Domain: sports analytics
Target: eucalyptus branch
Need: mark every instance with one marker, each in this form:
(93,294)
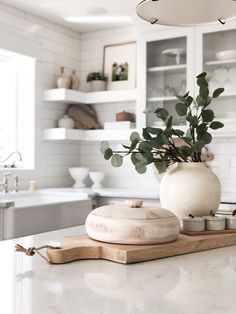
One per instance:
(158,145)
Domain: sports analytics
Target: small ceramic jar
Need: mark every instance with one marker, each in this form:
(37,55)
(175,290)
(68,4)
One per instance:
(230,222)
(194,223)
(215,223)
(66,122)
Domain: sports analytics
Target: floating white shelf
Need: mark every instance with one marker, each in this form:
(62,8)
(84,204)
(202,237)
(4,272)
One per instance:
(219,62)
(159,99)
(61,134)
(69,96)
(167,68)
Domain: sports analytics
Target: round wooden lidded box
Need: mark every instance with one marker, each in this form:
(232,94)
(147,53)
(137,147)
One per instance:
(129,225)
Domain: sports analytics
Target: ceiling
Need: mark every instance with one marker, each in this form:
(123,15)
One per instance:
(118,12)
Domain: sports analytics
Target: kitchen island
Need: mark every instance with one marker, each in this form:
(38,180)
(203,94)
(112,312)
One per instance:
(199,283)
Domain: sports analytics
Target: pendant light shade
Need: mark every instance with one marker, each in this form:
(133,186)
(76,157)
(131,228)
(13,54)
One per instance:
(186,12)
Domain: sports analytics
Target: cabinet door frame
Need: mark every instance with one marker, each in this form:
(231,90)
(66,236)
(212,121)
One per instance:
(144,38)
(200,31)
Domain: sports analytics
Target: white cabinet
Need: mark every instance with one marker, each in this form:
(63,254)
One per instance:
(167,69)
(216,55)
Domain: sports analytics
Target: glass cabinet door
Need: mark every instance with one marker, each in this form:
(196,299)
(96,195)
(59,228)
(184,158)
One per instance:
(166,72)
(219,61)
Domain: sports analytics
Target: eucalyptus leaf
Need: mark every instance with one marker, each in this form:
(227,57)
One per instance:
(104,146)
(140,167)
(207,115)
(216,125)
(146,135)
(169,122)
(116,160)
(200,101)
(205,137)
(181,109)
(145,146)
(218,92)
(134,158)
(162,113)
(198,146)
(202,75)
(134,136)
(108,153)
(204,91)
(161,166)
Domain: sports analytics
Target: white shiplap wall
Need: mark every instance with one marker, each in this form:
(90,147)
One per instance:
(57,46)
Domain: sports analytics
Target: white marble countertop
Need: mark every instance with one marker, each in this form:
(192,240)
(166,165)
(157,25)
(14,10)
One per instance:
(199,283)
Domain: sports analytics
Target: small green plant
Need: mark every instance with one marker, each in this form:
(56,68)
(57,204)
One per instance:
(96,76)
(158,145)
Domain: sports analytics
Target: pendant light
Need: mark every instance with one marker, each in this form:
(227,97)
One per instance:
(186,12)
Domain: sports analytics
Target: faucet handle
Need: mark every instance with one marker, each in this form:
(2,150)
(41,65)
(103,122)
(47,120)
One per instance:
(6,174)
(16,182)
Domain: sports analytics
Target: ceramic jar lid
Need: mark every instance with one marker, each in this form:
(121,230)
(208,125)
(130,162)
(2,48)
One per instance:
(125,212)
(230,217)
(214,218)
(197,219)
(129,225)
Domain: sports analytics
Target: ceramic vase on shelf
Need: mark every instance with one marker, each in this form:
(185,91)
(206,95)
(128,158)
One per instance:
(66,122)
(74,81)
(190,188)
(63,81)
(97,86)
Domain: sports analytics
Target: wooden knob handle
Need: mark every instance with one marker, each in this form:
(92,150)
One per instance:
(134,203)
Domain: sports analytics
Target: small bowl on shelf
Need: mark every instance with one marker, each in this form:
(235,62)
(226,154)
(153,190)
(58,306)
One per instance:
(97,177)
(226,55)
(79,174)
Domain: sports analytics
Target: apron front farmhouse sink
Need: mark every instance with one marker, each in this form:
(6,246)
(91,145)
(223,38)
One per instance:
(27,213)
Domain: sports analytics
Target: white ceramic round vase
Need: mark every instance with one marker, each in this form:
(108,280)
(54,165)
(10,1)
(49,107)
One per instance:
(66,122)
(190,188)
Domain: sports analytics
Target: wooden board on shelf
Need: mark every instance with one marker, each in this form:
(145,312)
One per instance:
(82,247)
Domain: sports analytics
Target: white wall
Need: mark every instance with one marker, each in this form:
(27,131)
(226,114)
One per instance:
(57,46)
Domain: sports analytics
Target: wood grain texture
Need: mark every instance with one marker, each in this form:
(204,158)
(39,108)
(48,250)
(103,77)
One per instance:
(82,247)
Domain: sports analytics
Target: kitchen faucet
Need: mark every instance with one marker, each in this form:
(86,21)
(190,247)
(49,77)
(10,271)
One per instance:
(5,183)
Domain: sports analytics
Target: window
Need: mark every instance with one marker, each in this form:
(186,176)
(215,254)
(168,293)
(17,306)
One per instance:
(17,107)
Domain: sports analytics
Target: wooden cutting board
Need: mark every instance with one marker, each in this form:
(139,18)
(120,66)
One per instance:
(82,247)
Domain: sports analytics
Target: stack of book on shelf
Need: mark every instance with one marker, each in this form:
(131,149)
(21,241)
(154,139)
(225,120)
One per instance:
(119,125)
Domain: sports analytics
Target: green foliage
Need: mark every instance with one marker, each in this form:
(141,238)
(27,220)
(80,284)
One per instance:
(96,76)
(158,145)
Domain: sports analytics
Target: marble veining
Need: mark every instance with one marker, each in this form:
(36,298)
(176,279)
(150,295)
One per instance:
(199,283)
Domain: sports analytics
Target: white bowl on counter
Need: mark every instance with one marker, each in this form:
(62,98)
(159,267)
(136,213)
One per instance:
(226,54)
(97,177)
(79,174)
